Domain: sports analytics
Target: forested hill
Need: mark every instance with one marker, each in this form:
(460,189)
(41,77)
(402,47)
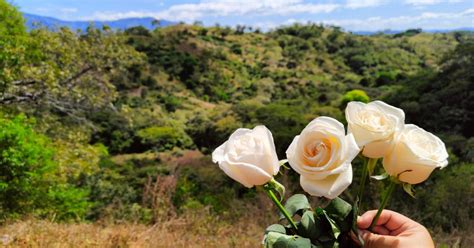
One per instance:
(105,112)
(286,77)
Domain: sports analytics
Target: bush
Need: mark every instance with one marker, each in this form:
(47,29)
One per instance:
(25,162)
(29,180)
(236,48)
(67,203)
(355,95)
(386,77)
(164,138)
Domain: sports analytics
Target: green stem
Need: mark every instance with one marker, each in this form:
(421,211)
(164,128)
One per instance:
(279,206)
(367,170)
(363,179)
(371,165)
(385,198)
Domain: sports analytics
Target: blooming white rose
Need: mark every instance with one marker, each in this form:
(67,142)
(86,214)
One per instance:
(322,155)
(374,126)
(249,156)
(415,155)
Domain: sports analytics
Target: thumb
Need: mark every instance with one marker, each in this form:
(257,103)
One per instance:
(379,241)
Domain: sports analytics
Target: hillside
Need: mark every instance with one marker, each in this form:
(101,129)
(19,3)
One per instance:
(116,127)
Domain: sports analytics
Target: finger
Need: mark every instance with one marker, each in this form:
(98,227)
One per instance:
(381,230)
(391,220)
(354,238)
(379,241)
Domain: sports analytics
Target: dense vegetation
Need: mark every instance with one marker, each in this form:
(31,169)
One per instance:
(118,126)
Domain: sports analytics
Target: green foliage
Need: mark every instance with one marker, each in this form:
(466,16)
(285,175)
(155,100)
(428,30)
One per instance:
(297,203)
(116,190)
(11,20)
(15,46)
(447,92)
(355,95)
(70,74)
(164,138)
(25,163)
(409,32)
(328,227)
(66,202)
(29,182)
(200,185)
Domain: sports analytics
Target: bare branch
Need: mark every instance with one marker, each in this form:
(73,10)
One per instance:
(24,82)
(68,82)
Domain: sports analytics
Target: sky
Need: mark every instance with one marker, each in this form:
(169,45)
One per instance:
(353,15)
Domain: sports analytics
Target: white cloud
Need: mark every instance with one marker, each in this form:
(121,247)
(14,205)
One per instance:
(68,10)
(468,12)
(42,10)
(263,12)
(218,8)
(422,2)
(426,20)
(429,2)
(355,4)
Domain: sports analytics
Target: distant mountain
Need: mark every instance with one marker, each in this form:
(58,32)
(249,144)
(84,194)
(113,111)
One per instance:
(433,31)
(33,21)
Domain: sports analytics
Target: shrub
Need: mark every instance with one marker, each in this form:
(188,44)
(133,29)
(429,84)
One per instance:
(236,48)
(386,77)
(25,161)
(29,180)
(164,138)
(355,95)
(67,202)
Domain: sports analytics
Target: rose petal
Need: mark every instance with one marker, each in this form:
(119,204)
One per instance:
(272,165)
(352,109)
(218,153)
(247,174)
(291,155)
(328,124)
(377,149)
(391,110)
(352,149)
(330,187)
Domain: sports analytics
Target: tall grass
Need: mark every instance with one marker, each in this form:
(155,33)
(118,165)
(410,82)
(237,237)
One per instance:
(193,230)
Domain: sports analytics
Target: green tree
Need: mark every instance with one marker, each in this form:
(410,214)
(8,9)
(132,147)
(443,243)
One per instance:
(26,160)
(30,179)
(14,43)
(73,76)
(11,20)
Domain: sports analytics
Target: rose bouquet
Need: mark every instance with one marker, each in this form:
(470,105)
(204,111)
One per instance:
(322,156)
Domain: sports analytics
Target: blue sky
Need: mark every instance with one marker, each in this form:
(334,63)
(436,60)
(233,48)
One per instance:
(353,15)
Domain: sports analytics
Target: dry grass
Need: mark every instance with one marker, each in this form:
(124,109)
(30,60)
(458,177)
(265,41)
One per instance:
(190,231)
(193,230)
(456,239)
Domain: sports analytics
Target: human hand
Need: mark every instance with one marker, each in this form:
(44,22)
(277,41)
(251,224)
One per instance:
(393,230)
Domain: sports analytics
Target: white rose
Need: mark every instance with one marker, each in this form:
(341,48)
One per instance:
(249,156)
(374,126)
(322,155)
(415,155)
